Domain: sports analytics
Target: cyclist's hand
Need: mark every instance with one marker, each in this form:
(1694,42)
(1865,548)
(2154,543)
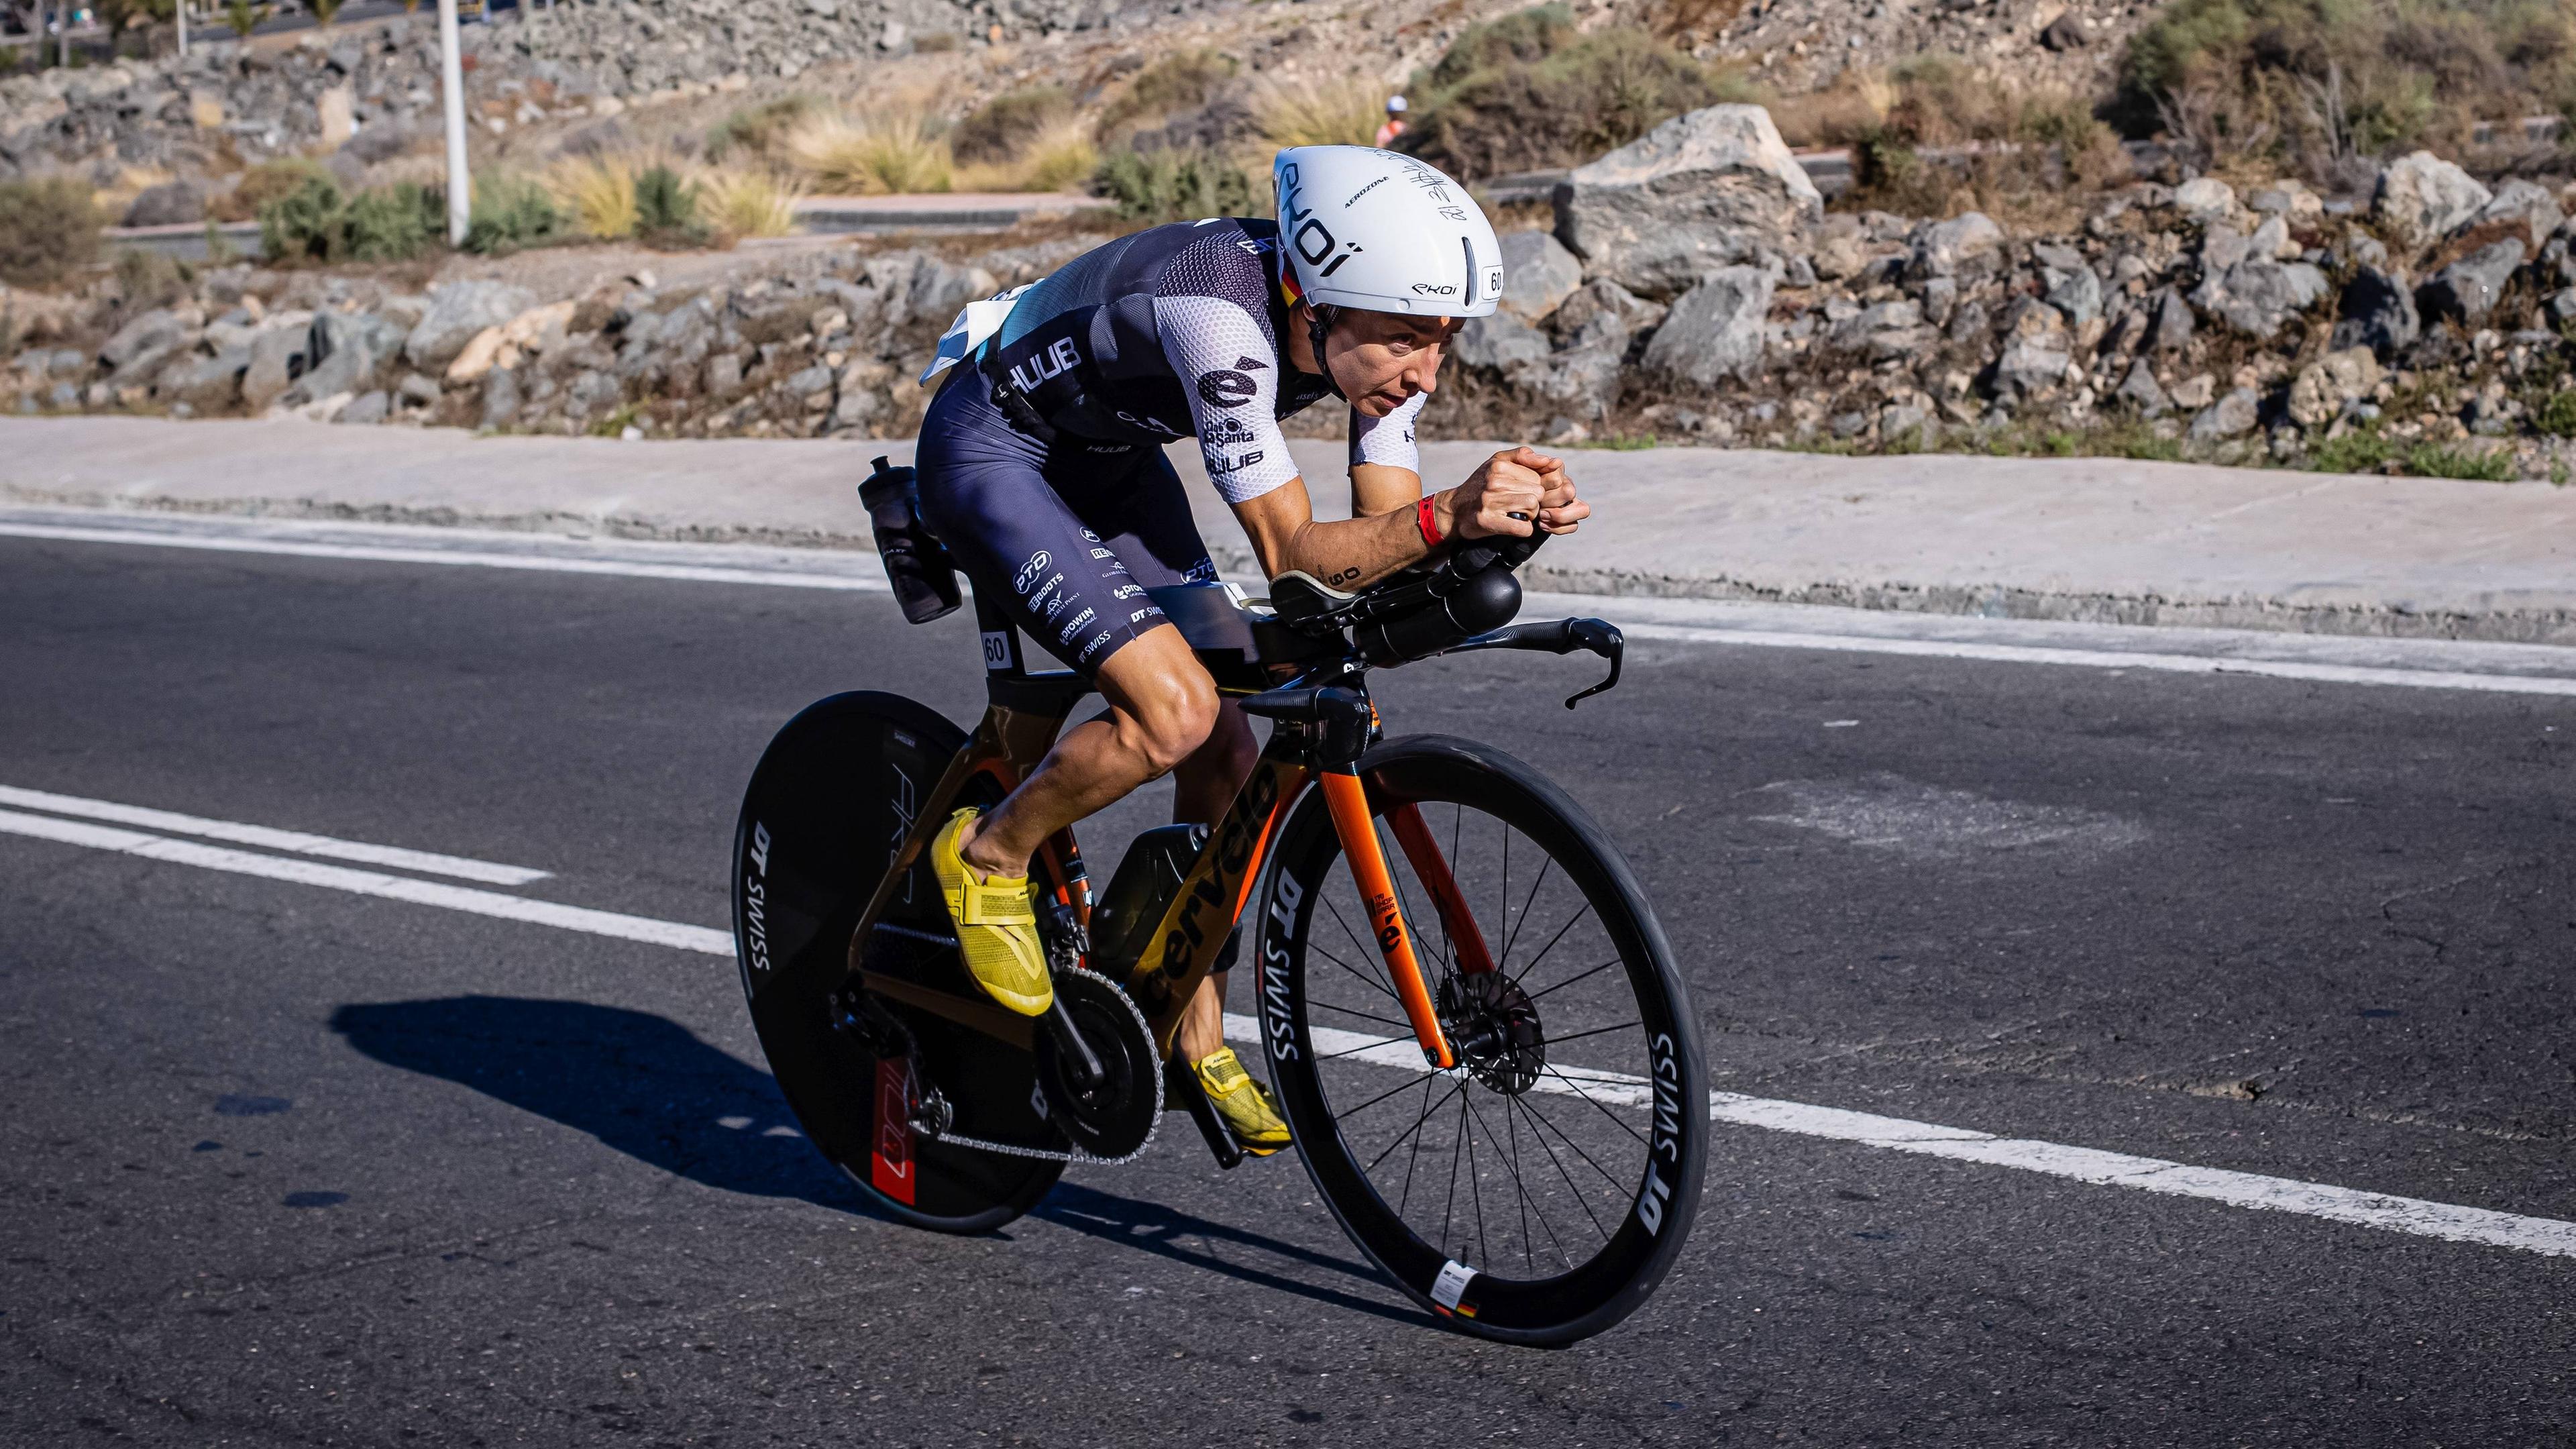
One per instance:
(1559,510)
(1511,481)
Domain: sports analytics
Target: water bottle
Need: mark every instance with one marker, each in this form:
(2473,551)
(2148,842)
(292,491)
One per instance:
(916,563)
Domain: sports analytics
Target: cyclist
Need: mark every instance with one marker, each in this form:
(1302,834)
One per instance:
(1394,125)
(1040,467)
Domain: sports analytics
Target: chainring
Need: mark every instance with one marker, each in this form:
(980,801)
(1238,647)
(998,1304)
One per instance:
(1116,1119)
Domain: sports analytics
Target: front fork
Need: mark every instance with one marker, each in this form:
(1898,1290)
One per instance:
(1347,800)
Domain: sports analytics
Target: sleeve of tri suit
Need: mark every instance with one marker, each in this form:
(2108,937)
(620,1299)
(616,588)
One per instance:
(1388,441)
(1228,363)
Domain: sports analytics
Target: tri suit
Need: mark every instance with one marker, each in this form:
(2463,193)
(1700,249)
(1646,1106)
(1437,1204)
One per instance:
(1041,464)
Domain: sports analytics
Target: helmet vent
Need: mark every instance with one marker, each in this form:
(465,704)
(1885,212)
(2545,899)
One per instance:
(1468,249)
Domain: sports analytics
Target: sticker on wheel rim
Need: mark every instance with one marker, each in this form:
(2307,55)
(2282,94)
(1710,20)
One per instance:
(1451,1286)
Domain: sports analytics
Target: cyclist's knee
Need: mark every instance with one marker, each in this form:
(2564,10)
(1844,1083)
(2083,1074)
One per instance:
(1176,721)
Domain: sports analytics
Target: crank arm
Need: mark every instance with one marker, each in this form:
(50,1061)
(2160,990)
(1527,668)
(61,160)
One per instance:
(1179,1082)
(1559,636)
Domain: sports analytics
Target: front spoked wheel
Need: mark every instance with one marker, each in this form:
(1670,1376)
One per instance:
(1539,1191)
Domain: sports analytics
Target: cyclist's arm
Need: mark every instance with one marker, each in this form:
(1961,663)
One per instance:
(1351,553)
(1386,468)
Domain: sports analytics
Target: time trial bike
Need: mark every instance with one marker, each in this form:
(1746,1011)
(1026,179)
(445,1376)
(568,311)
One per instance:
(1471,1018)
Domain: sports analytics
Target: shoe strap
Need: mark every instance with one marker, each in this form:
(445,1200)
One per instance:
(1222,1072)
(989,904)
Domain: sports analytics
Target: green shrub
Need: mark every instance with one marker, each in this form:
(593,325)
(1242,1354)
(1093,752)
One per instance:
(666,208)
(304,225)
(512,212)
(241,17)
(394,223)
(1591,94)
(264,183)
(1175,83)
(759,129)
(1174,185)
(999,128)
(146,278)
(1523,37)
(2557,416)
(2324,78)
(48,229)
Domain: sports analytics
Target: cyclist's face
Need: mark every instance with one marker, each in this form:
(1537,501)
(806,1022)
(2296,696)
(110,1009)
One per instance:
(1381,359)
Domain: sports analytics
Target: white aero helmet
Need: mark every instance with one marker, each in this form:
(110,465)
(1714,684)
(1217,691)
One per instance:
(1395,105)
(1383,232)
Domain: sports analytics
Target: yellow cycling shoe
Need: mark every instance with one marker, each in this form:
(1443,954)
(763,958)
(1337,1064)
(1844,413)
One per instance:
(1245,1104)
(997,925)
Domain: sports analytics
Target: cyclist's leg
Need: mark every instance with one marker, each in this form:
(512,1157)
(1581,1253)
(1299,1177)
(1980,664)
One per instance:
(1033,526)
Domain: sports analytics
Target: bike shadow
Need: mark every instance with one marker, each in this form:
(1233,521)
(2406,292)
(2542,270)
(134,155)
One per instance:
(647,1086)
(1151,1227)
(639,1083)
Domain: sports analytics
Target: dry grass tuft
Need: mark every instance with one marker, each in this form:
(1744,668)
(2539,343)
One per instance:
(748,202)
(598,193)
(1343,112)
(1057,158)
(884,152)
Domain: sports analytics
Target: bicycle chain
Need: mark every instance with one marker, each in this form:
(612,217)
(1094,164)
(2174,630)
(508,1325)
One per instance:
(1013,1149)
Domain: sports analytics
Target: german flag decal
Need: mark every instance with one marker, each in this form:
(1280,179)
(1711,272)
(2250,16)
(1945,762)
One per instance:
(1449,1290)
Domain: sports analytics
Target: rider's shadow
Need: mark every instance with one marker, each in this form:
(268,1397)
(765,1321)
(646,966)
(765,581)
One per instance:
(642,1084)
(648,1087)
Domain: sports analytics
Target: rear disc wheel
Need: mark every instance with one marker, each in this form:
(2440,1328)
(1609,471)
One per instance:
(829,805)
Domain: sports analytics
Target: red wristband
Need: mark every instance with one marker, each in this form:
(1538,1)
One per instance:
(1422,520)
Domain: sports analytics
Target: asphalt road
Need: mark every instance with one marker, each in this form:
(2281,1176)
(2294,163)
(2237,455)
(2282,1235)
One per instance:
(287,1165)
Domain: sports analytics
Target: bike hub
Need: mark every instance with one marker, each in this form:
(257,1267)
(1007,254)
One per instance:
(1494,1027)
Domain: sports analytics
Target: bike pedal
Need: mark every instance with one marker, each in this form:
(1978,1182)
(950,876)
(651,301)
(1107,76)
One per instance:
(1182,1085)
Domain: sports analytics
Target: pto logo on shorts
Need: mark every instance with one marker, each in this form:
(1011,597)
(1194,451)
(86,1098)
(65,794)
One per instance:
(1029,571)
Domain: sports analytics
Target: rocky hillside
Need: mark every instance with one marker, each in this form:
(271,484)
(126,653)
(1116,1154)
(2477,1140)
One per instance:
(1803,45)
(1691,288)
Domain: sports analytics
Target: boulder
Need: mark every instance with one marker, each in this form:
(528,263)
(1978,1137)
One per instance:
(1602,295)
(2288,198)
(1538,273)
(456,312)
(1716,330)
(367,407)
(2467,289)
(2258,297)
(276,359)
(343,355)
(153,332)
(172,203)
(501,400)
(2141,391)
(1500,343)
(2378,312)
(2527,202)
(2070,284)
(2231,416)
(1882,330)
(1946,248)
(2205,199)
(204,384)
(2322,388)
(1698,193)
(940,288)
(2033,363)
(2421,198)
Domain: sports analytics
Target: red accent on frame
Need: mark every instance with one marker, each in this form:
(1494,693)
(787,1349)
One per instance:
(1432,869)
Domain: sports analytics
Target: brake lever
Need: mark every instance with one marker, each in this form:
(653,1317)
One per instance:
(1559,636)
(1603,638)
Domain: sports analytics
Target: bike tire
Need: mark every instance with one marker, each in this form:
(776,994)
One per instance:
(1318,1073)
(828,805)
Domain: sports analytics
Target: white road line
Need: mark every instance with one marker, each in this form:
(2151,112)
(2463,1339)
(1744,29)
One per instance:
(2383,1211)
(2110,659)
(553,563)
(370,883)
(296,841)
